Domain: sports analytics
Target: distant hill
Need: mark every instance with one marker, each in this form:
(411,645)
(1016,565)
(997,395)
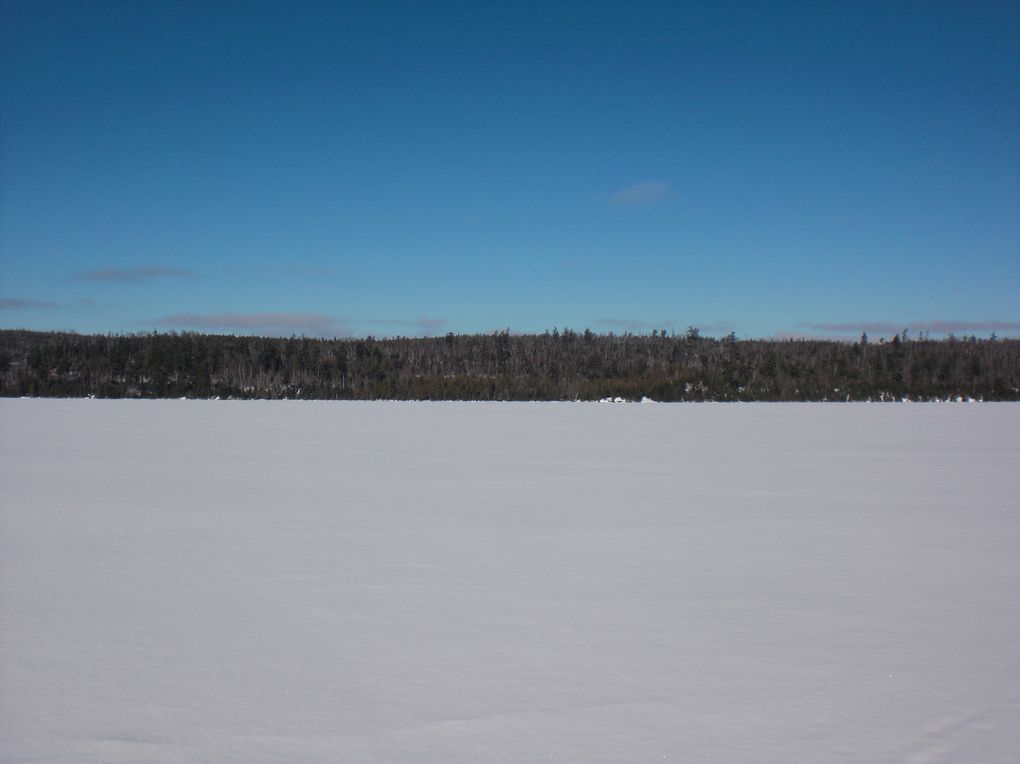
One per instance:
(558,365)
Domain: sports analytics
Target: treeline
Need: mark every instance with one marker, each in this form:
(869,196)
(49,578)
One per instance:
(557,365)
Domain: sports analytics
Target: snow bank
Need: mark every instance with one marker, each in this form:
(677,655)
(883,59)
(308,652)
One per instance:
(323,582)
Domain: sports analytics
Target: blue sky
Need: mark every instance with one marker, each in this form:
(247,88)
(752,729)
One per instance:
(381,168)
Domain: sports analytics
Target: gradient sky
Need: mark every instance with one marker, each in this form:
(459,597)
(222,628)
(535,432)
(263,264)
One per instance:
(386,168)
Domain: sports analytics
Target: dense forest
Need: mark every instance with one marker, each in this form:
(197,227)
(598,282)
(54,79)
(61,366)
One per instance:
(557,365)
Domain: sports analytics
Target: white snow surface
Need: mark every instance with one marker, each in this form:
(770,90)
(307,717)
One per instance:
(218,581)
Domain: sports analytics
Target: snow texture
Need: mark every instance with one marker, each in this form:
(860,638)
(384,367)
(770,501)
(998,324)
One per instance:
(186,581)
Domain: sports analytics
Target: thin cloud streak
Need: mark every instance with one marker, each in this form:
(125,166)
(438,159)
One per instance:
(936,327)
(425,324)
(635,325)
(430,324)
(627,324)
(133,275)
(784,336)
(304,271)
(645,192)
(716,327)
(275,323)
(19,303)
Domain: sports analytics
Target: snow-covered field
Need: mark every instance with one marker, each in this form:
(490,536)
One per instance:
(377,582)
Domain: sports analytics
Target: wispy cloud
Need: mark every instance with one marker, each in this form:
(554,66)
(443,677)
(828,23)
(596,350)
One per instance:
(780,336)
(133,275)
(634,325)
(936,327)
(302,271)
(627,324)
(717,327)
(425,324)
(430,324)
(316,324)
(645,192)
(20,303)
(875,327)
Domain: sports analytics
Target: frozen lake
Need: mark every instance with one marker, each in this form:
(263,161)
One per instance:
(454,582)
